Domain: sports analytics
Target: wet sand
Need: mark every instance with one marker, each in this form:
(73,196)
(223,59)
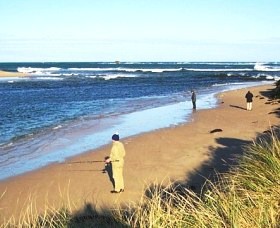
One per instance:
(186,154)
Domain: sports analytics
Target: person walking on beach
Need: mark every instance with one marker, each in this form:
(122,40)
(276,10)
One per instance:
(117,158)
(193,97)
(249,99)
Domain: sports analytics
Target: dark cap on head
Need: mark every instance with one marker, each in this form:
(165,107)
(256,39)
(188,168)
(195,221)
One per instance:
(115,137)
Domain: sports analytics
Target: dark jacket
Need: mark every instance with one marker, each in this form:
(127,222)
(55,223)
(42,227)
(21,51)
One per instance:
(193,97)
(249,96)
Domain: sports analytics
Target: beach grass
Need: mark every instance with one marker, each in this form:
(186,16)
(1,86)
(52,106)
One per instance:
(247,196)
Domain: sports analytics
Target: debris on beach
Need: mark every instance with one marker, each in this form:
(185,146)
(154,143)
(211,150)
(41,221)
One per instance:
(216,130)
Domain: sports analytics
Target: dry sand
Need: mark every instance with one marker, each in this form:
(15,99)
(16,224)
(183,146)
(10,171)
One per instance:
(7,74)
(186,154)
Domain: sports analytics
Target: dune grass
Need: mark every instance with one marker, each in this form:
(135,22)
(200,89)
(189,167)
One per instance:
(247,196)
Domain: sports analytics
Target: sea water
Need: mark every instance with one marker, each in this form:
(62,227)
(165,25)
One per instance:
(64,109)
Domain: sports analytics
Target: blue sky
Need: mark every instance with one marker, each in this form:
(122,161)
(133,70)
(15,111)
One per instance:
(144,30)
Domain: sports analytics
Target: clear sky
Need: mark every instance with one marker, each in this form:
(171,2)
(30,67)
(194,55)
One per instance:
(143,30)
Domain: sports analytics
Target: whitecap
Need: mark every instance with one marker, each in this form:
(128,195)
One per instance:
(114,76)
(263,67)
(57,127)
(269,77)
(91,76)
(49,78)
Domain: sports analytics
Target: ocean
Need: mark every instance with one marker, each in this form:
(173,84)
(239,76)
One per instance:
(64,109)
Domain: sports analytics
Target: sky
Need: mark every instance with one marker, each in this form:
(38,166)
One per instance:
(144,30)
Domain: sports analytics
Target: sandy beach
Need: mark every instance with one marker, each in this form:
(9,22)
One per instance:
(7,74)
(186,154)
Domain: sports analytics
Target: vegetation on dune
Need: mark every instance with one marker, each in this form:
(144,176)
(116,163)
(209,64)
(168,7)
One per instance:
(248,196)
(277,90)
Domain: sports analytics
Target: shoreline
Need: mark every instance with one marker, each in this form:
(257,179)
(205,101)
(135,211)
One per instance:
(52,144)
(182,153)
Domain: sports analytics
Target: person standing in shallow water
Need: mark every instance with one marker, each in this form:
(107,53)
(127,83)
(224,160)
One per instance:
(117,158)
(249,99)
(193,97)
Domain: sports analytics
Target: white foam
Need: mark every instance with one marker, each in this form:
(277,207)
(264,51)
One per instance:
(35,70)
(217,70)
(228,84)
(92,69)
(114,76)
(91,76)
(269,77)
(52,70)
(263,67)
(57,127)
(49,78)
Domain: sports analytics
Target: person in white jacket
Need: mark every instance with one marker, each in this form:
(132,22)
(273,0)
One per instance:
(117,158)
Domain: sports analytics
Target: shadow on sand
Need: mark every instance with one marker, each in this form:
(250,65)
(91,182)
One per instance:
(235,106)
(89,217)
